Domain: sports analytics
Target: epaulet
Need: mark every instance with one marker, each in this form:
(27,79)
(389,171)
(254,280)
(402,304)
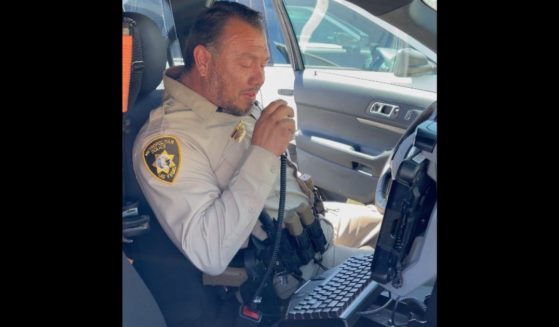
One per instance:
(155,121)
(156,116)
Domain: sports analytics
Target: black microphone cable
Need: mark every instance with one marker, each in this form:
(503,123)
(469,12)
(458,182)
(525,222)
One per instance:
(256,299)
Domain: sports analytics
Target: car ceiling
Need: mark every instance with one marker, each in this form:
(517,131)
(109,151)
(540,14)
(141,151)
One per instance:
(410,16)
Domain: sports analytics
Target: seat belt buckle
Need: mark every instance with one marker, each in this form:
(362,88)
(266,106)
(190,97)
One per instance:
(247,313)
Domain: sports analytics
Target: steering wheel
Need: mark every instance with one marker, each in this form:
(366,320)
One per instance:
(385,180)
(383,187)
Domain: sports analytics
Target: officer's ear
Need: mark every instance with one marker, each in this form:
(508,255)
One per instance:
(202,57)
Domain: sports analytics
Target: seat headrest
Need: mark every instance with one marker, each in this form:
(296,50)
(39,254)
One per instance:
(154,49)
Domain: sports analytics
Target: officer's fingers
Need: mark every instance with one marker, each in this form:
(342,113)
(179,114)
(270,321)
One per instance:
(282,112)
(288,124)
(273,106)
(290,112)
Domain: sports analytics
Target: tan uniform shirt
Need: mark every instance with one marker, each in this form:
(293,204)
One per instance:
(205,182)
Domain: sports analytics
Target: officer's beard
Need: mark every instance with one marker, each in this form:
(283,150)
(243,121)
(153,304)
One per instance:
(217,86)
(233,110)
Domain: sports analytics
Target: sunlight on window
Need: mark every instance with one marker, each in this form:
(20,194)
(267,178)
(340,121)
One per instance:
(314,20)
(431,3)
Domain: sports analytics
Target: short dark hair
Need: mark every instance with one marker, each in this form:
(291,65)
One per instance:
(209,24)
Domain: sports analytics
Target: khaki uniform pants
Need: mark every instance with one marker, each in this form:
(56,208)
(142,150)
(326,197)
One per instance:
(354,230)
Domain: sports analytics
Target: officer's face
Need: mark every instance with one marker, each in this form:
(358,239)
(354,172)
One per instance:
(236,70)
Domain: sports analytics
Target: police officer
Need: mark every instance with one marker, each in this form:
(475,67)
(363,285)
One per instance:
(208,162)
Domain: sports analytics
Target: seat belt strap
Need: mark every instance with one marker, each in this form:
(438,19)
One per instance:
(134,67)
(126,64)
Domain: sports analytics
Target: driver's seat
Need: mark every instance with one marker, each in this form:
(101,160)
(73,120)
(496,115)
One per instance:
(148,66)
(139,307)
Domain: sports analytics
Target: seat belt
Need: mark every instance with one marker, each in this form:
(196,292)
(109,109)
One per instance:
(126,64)
(133,224)
(132,63)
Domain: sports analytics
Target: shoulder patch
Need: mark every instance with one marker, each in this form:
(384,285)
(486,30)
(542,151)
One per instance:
(162,158)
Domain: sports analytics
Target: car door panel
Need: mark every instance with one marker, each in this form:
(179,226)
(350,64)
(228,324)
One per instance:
(347,127)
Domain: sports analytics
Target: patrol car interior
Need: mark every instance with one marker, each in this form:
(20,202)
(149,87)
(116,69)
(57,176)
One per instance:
(353,157)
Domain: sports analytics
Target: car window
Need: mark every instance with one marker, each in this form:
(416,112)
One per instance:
(276,41)
(329,29)
(336,34)
(160,12)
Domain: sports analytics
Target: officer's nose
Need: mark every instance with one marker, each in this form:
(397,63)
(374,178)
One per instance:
(257,77)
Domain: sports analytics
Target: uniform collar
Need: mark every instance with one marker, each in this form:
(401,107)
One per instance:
(185,95)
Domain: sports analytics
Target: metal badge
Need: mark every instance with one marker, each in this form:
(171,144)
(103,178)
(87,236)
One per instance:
(239,132)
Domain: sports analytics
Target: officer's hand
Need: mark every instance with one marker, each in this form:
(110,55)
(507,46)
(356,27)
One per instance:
(275,127)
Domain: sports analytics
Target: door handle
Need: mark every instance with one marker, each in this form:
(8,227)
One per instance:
(383,109)
(288,92)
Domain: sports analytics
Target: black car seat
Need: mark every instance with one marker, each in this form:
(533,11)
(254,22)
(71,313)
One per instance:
(146,63)
(139,308)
